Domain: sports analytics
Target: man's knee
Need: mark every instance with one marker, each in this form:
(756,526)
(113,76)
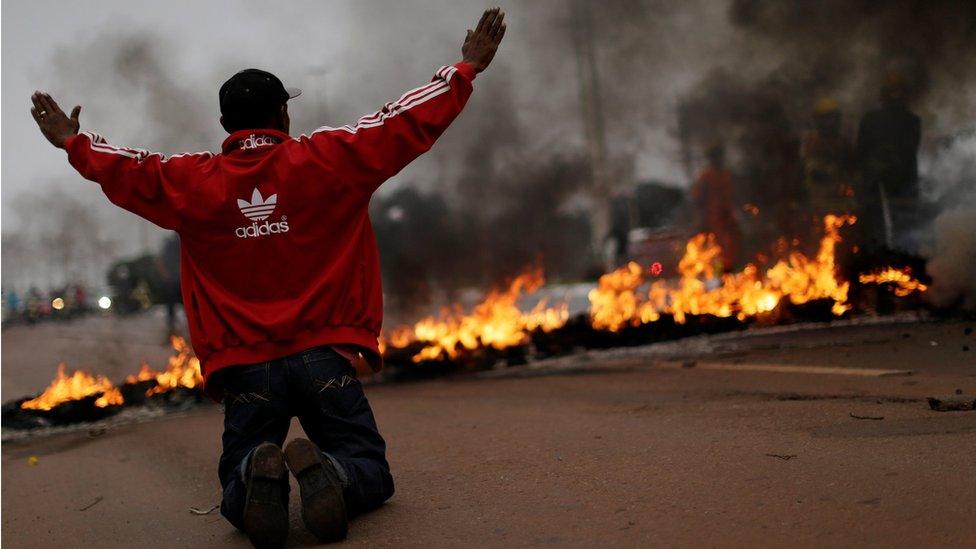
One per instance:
(388,486)
(371,485)
(232,502)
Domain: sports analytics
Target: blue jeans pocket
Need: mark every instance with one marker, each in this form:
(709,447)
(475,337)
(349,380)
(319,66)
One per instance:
(247,397)
(334,385)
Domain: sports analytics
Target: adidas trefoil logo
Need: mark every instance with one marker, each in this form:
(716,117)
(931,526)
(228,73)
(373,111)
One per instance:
(260,209)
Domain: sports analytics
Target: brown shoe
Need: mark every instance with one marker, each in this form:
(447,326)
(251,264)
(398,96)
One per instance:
(323,505)
(266,507)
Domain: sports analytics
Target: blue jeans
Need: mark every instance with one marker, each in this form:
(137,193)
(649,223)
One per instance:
(319,387)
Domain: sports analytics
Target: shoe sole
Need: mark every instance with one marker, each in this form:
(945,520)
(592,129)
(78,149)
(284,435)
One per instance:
(265,514)
(323,505)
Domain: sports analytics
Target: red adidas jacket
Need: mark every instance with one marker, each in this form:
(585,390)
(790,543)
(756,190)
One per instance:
(277,251)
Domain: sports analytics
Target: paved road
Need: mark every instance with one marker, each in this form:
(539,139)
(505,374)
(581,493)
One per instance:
(109,345)
(618,451)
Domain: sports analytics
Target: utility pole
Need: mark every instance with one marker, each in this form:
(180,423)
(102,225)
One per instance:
(684,134)
(601,189)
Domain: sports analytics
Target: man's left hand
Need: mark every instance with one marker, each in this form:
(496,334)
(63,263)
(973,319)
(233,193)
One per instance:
(56,126)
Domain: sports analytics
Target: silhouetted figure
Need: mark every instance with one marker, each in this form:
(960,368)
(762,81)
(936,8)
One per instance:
(169,270)
(617,240)
(712,196)
(81,299)
(887,144)
(35,305)
(13,304)
(828,161)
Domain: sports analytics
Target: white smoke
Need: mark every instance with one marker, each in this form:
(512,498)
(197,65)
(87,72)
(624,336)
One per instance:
(950,173)
(953,258)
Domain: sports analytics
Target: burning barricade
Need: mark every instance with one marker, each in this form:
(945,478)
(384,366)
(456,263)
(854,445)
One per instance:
(901,280)
(496,328)
(630,305)
(82,396)
(617,301)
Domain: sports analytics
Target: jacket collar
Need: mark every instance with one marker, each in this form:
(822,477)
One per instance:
(248,140)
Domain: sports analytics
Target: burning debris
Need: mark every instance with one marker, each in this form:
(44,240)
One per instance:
(82,396)
(900,280)
(77,386)
(183,370)
(496,322)
(629,305)
(626,298)
(701,291)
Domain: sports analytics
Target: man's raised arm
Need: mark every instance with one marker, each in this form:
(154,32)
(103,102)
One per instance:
(147,184)
(381,144)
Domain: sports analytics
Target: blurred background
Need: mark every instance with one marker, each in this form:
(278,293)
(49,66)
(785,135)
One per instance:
(578,151)
(636,234)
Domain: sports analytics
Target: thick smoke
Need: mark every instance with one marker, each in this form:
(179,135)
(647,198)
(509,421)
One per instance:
(845,47)
(509,208)
(151,101)
(789,55)
(953,257)
(952,253)
(67,232)
(505,187)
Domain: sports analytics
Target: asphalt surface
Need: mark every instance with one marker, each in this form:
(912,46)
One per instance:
(616,449)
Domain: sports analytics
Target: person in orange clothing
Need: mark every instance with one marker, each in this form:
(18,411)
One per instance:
(712,197)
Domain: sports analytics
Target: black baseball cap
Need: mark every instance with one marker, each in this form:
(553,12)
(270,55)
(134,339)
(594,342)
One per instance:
(253,91)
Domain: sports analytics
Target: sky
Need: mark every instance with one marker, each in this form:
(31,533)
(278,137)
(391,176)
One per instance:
(352,55)
(147,74)
(204,42)
(349,57)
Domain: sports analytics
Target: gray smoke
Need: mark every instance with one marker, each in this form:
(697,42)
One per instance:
(953,257)
(788,55)
(951,254)
(507,177)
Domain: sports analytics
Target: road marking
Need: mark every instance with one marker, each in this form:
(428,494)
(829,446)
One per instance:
(784,368)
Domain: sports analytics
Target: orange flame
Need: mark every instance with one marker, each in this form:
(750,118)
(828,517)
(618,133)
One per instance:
(496,322)
(904,283)
(804,280)
(617,301)
(623,297)
(77,386)
(146,373)
(111,397)
(614,303)
(183,370)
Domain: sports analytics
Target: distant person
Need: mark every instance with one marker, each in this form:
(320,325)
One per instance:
(169,272)
(887,146)
(34,308)
(776,189)
(616,245)
(828,163)
(81,298)
(13,304)
(124,285)
(281,277)
(713,198)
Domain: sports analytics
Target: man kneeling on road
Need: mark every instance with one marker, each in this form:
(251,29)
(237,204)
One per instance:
(280,278)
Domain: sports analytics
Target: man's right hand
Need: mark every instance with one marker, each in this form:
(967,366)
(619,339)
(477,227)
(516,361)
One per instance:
(481,43)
